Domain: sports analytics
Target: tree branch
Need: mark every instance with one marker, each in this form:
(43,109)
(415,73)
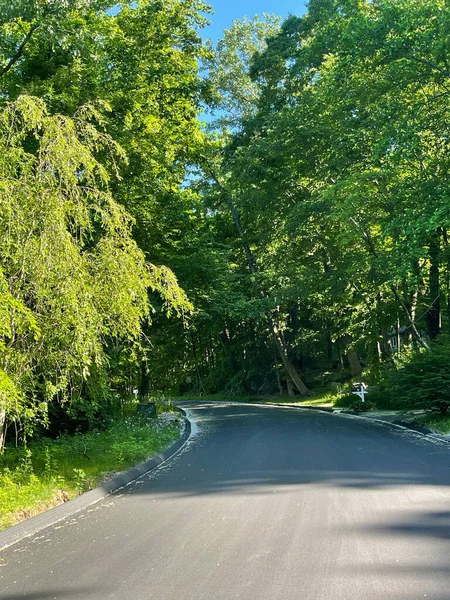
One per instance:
(370,245)
(236,219)
(20,50)
(431,64)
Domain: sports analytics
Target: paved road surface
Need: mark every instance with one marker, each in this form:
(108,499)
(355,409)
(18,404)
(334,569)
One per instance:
(261,504)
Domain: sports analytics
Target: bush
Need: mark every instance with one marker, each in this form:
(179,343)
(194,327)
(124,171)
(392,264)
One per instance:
(353,402)
(423,380)
(345,401)
(49,471)
(380,398)
(360,406)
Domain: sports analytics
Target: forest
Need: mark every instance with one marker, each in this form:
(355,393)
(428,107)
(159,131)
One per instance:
(267,216)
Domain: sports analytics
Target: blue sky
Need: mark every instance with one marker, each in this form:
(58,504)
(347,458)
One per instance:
(226,11)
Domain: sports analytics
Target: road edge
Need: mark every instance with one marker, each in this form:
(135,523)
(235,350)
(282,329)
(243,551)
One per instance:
(428,433)
(33,525)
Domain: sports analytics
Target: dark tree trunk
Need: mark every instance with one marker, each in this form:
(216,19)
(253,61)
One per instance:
(387,347)
(304,391)
(289,367)
(279,384)
(398,336)
(340,354)
(329,343)
(447,255)
(290,388)
(355,365)
(194,354)
(144,384)
(2,428)
(352,356)
(434,312)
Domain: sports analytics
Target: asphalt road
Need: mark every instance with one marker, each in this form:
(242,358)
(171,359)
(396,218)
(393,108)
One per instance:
(260,504)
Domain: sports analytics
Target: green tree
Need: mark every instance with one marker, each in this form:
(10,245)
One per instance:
(346,151)
(72,276)
(228,65)
(138,65)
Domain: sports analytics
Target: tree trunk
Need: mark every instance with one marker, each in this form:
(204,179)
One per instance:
(387,347)
(279,384)
(329,341)
(434,312)
(304,391)
(2,428)
(355,365)
(290,388)
(194,353)
(384,348)
(398,336)
(411,299)
(301,387)
(447,255)
(144,384)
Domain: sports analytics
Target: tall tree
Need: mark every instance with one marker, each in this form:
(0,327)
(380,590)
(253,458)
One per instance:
(137,63)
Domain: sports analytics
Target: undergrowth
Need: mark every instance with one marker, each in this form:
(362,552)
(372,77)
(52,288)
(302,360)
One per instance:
(435,421)
(50,471)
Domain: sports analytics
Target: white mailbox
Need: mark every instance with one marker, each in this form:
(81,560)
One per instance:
(359,389)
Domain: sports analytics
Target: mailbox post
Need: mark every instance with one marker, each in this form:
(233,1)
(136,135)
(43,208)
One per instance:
(360,390)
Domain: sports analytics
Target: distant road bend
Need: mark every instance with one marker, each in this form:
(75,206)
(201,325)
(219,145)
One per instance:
(262,503)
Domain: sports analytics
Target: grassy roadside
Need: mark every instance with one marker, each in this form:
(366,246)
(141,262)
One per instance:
(321,397)
(434,421)
(50,472)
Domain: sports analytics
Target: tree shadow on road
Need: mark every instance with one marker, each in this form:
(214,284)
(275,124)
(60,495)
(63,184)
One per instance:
(250,449)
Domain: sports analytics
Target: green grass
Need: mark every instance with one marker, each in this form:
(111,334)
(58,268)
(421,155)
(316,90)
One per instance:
(49,472)
(320,397)
(434,421)
(323,400)
(220,398)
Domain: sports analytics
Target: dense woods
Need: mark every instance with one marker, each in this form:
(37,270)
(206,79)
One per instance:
(264,216)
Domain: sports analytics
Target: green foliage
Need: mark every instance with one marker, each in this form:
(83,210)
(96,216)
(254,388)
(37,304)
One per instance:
(353,403)
(423,381)
(326,162)
(85,131)
(51,471)
(347,401)
(74,275)
(228,67)
(339,175)
(436,422)
(380,398)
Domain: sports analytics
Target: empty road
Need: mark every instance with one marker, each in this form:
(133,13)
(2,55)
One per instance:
(261,503)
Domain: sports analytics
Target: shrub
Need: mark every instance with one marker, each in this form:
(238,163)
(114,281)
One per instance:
(353,402)
(345,401)
(380,398)
(423,380)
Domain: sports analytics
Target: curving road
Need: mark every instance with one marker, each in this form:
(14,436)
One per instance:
(261,504)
